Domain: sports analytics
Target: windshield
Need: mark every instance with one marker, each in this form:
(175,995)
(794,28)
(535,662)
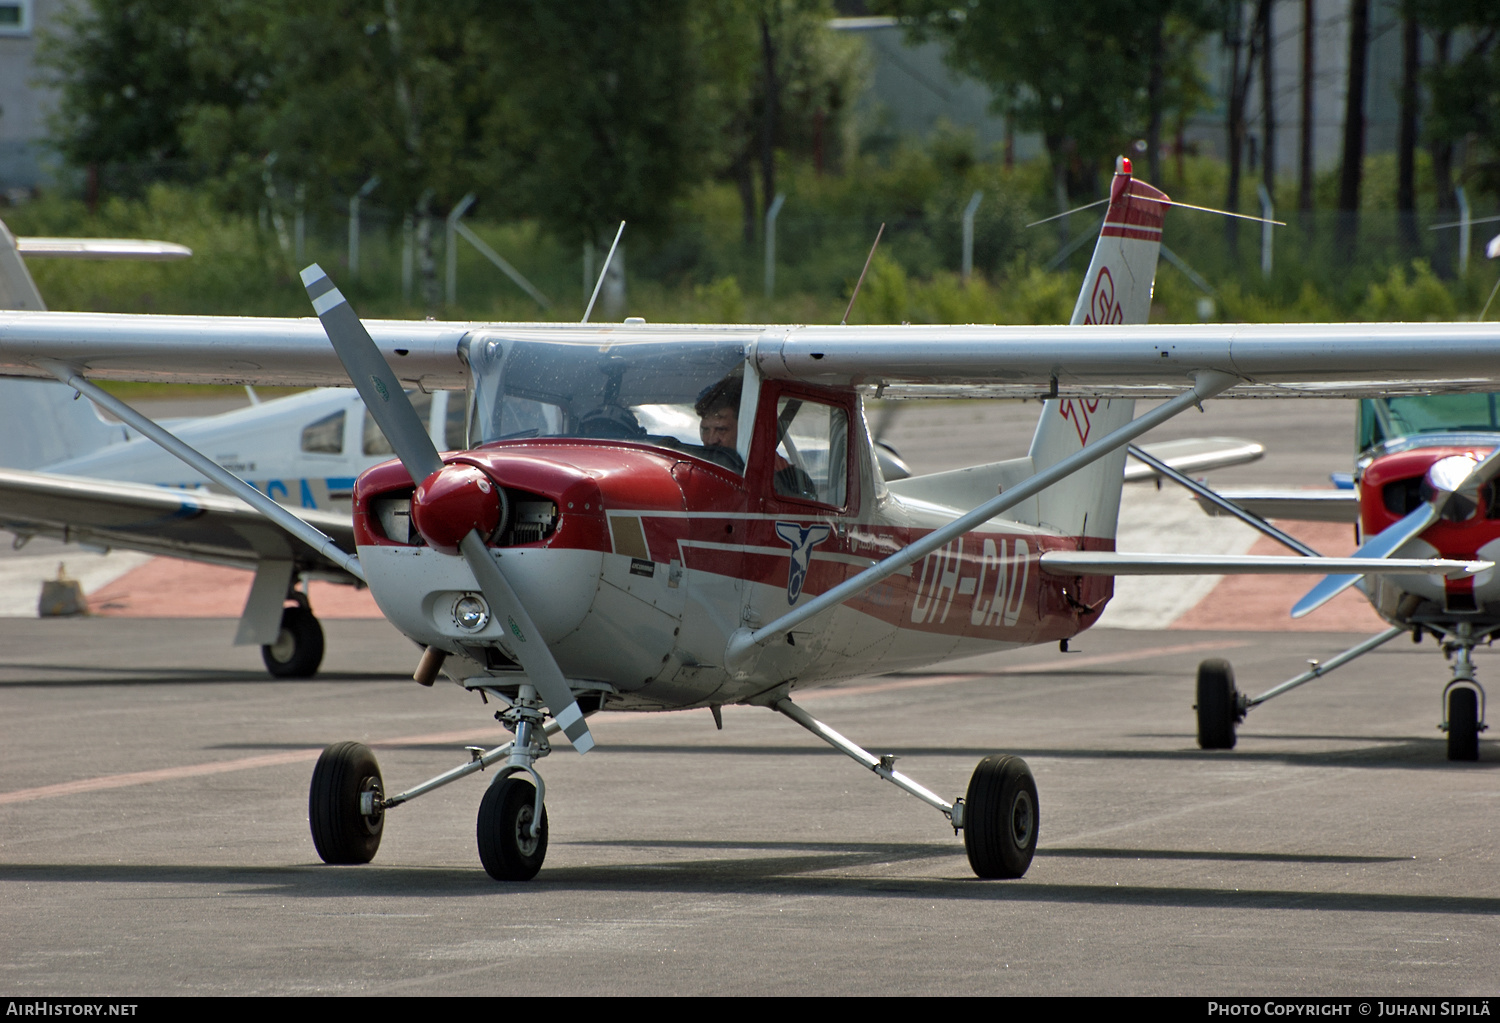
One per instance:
(687,396)
(1382,420)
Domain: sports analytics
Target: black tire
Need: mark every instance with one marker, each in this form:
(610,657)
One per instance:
(1463,724)
(298,649)
(1001,817)
(1218,705)
(342,834)
(506,847)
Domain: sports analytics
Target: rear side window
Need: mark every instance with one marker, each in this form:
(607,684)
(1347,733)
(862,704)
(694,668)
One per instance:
(326,436)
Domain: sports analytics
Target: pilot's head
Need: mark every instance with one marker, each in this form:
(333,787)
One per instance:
(718,408)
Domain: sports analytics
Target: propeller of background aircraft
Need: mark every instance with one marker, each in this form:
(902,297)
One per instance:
(1449,490)
(455,506)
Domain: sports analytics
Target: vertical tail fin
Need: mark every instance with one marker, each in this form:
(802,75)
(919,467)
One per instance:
(1116,289)
(41,423)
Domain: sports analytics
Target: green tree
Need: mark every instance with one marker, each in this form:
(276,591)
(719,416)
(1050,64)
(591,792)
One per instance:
(776,80)
(1086,77)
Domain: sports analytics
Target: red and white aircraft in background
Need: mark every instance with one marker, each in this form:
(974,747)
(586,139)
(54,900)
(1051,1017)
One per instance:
(1423,486)
(590,552)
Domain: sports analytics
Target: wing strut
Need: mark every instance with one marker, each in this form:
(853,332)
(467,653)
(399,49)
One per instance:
(740,651)
(169,442)
(1208,494)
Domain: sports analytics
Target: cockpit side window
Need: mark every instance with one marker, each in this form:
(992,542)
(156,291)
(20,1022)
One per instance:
(812,451)
(326,436)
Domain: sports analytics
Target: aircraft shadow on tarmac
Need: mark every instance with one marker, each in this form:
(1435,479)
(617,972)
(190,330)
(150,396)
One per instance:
(799,873)
(1384,752)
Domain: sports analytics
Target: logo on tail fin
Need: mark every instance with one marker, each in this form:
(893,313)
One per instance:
(1104,307)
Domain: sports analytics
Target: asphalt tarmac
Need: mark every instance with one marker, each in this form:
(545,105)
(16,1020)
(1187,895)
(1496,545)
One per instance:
(153,831)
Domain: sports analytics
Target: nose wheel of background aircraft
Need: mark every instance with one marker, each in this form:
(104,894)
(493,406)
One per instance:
(1000,817)
(1218,705)
(1463,723)
(508,848)
(298,649)
(345,804)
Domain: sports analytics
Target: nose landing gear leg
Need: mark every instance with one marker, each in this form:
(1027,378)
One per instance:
(1463,697)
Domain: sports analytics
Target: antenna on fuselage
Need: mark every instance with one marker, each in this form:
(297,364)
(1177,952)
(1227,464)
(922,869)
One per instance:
(861,281)
(602,274)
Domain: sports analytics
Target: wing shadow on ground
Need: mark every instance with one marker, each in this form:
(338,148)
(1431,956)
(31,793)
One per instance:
(799,873)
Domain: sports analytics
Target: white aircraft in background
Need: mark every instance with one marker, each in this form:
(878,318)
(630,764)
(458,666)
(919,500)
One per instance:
(579,558)
(304,451)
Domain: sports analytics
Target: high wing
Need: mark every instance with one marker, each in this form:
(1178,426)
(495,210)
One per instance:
(1268,360)
(155,520)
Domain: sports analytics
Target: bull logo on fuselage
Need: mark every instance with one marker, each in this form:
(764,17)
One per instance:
(802,540)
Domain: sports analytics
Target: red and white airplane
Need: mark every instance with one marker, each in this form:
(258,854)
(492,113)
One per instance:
(1423,486)
(682,517)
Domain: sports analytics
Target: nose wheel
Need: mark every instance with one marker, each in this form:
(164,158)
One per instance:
(512,830)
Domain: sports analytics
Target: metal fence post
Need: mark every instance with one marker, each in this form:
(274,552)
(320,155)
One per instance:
(1268,211)
(452,242)
(968,256)
(1465,229)
(354,201)
(771,215)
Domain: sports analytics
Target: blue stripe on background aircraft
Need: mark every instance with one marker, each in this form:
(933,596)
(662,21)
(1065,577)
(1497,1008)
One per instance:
(593,551)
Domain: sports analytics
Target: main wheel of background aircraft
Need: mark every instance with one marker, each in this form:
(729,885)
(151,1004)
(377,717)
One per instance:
(1001,816)
(342,834)
(1218,705)
(298,649)
(1463,724)
(506,846)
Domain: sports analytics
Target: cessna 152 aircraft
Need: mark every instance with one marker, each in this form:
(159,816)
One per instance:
(304,451)
(596,550)
(1422,487)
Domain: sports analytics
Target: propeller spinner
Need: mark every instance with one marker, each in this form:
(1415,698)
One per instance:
(458,504)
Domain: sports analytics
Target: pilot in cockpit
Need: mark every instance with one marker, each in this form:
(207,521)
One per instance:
(718,408)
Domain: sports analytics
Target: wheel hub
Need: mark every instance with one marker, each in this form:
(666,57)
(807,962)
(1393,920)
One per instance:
(526,843)
(1022,819)
(285,646)
(371,808)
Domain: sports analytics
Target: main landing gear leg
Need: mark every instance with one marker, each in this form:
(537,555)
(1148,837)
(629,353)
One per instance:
(1221,706)
(1463,697)
(998,816)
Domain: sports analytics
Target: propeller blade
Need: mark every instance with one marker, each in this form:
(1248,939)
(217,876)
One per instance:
(1377,547)
(386,399)
(527,644)
(372,377)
